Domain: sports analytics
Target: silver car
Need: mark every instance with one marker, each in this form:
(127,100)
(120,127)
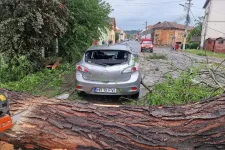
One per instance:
(109,70)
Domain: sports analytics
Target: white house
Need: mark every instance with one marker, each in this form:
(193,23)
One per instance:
(214,20)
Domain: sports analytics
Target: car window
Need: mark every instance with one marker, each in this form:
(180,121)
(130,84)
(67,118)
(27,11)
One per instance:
(106,54)
(147,42)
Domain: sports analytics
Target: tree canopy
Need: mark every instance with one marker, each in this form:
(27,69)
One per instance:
(87,20)
(197,30)
(26,26)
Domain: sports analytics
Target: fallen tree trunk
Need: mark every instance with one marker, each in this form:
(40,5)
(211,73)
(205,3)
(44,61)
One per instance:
(49,123)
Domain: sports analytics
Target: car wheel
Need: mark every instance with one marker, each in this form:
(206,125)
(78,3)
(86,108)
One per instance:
(135,96)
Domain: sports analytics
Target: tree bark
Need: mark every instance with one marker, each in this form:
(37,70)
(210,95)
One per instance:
(53,124)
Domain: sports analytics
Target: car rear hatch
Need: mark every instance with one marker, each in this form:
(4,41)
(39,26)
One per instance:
(107,65)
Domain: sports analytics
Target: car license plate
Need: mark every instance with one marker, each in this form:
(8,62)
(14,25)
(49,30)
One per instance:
(105,90)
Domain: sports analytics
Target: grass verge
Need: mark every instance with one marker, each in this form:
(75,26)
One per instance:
(205,53)
(178,91)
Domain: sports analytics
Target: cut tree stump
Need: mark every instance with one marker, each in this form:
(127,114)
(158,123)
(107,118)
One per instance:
(56,124)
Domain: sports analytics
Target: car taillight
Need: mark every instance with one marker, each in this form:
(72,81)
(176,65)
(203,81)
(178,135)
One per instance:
(130,69)
(79,87)
(134,89)
(82,68)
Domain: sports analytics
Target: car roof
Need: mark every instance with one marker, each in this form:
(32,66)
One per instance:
(124,47)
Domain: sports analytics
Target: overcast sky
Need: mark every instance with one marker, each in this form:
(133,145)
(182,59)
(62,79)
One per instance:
(132,14)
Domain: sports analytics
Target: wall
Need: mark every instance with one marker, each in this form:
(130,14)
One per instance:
(214,20)
(179,34)
(165,37)
(104,37)
(220,46)
(209,45)
(111,35)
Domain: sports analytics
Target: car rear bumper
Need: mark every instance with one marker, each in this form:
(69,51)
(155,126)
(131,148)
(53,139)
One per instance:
(151,48)
(123,88)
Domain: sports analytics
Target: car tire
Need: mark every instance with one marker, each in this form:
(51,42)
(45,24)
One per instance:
(135,96)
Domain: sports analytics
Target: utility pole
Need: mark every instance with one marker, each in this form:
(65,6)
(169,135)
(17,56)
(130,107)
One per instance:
(187,22)
(146,27)
(206,20)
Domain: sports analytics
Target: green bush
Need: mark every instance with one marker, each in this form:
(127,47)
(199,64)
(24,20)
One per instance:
(187,46)
(194,46)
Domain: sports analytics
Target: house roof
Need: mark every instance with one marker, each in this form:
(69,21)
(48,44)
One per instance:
(150,26)
(170,25)
(221,38)
(213,39)
(206,3)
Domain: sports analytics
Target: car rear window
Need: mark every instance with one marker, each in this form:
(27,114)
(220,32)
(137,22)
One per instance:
(107,57)
(147,42)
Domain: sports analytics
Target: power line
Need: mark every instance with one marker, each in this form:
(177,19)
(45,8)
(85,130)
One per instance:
(192,14)
(216,30)
(211,10)
(146,4)
(159,3)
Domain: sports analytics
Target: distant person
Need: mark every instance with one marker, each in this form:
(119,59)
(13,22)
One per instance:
(110,42)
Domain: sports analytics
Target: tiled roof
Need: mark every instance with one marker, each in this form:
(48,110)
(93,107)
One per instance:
(170,25)
(150,27)
(221,38)
(213,39)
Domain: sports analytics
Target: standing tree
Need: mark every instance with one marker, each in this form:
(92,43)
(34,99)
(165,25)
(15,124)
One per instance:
(26,27)
(197,30)
(87,20)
